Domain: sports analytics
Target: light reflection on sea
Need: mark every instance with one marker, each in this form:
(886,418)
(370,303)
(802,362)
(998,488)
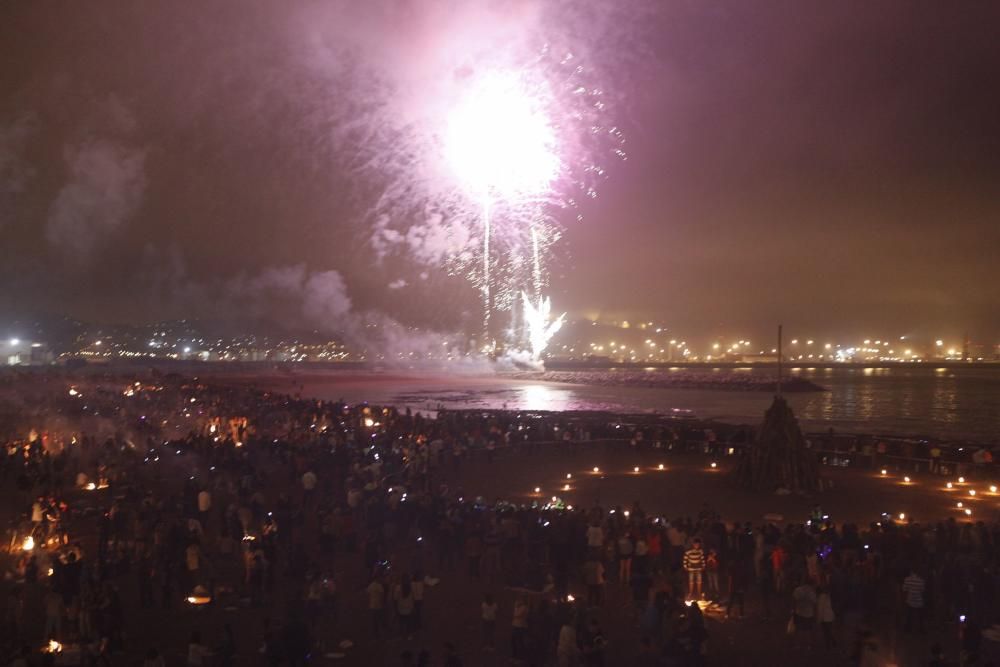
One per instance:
(961,403)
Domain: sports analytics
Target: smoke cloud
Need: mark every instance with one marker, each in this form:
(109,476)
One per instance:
(106,181)
(292,296)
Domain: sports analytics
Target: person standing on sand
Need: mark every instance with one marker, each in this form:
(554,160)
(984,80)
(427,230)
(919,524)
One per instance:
(804,608)
(824,612)
(402,596)
(489,616)
(593,573)
(913,591)
(519,631)
(694,565)
(567,650)
(376,606)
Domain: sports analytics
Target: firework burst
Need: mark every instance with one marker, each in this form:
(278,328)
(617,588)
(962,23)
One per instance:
(483,160)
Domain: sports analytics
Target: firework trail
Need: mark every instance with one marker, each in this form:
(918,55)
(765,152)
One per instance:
(487,132)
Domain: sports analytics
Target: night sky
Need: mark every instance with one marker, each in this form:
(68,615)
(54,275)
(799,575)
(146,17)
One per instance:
(834,166)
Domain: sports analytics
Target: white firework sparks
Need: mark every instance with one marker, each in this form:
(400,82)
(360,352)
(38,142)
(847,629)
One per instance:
(541,327)
(494,131)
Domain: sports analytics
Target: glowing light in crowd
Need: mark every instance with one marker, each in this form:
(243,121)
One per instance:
(28,544)
(661,466)
(635,469)
(902,516)
(972,492)
(993,489)
(596,469)
(884,472)
(949,485)
(906,480)
(53,647)
(714,464)
(538,489)
(961,480)
(569,475)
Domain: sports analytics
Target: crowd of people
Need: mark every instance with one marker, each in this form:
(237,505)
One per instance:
(163,493)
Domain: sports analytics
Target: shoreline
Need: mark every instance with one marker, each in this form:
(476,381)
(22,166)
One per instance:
(424,388)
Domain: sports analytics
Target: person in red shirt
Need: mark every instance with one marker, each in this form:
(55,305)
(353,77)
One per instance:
(778,558)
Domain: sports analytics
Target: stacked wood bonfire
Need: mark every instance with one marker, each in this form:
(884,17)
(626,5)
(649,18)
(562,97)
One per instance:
(779,459)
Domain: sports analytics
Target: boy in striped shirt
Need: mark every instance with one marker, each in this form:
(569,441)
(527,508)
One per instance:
(694,563)
(913,591)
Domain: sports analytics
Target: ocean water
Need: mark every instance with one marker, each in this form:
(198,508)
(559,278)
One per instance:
(960,404)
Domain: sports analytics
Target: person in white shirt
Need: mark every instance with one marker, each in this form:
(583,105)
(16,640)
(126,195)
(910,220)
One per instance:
(197,652)
(567,650)
(595,538)
(804,607)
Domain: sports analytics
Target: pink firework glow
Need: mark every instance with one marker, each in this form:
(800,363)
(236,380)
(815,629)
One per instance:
(485,135)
